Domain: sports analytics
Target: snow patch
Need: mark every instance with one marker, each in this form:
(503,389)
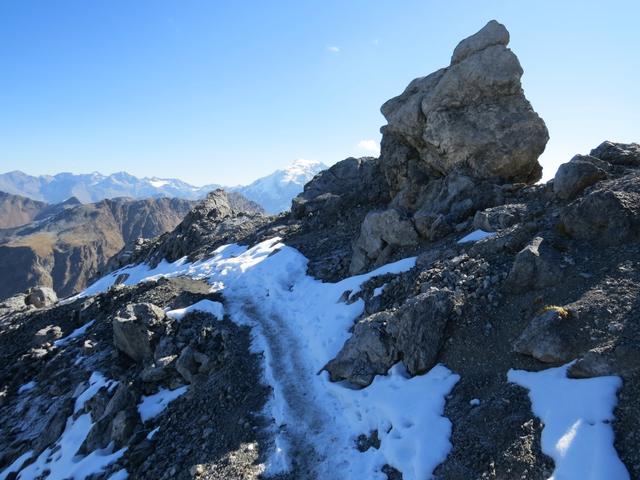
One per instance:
(96,382)
(61,462)
(577,415)
(214,308)
(75,334)
(16,465)
(475,236)
(151,406)
(27,386)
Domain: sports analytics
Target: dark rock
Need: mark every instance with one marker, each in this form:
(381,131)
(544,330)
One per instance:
(604,216)
(627,154)
(535,266)
(498,218)
(369,352)
(574,176)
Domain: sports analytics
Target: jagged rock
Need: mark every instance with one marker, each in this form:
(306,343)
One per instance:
(627,154)
(574,176)
(414,334)
(41,297)
(55,426)
(134,330)
(449,201)
(122,426)
(548,337)
(380,231)
(535,266)
(419,329)
(471,116)
(604,216)
(351,181)
(498,218)
(212,222)
(13,304)
(369,352)
(191,363)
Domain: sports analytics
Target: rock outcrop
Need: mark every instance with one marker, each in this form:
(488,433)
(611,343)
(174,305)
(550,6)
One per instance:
(453,138)
(471,116)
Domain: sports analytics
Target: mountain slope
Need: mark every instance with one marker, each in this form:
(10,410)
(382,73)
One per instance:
(65,249)
(273,192)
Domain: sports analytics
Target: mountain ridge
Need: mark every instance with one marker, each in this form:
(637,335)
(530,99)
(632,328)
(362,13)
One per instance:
(273,192)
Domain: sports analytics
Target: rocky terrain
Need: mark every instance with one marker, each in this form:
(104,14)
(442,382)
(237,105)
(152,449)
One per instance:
(431,313)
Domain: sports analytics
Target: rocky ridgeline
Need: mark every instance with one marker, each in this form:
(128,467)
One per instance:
(555,277)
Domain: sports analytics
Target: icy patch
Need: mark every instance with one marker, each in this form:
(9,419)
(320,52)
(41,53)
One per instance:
(61,462)
(121,474)
(152,433)
(27,386)
(475,236)
(78,332)
(16,465)
(151,406)
(96,382)
(378,291)
(577,415)
(214,308)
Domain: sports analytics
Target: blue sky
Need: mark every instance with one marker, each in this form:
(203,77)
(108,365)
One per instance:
(227,91)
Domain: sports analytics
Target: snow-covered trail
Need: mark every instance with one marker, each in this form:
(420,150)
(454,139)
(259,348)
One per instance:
(299,323)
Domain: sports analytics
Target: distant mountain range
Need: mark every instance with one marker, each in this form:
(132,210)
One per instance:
(273,192)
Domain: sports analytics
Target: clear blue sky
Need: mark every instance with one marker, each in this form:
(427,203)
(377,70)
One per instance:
(227,91)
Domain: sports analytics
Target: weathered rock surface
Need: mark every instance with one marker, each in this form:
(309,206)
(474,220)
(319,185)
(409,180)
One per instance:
(548,337)
(626,154)
(135,330)
(41,297)
(471,116)
(535,266)
(414,333)
(574,176)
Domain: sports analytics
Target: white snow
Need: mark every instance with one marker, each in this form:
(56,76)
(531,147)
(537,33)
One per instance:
(378,290)
(298,323)
(214,308)
(474,402)
(157,183)
(75,334)
(152,433)
(577,415)
(27,386)
(121,474)
(96,382)
(151,406)
(16,464)
(475,236)
(62,462)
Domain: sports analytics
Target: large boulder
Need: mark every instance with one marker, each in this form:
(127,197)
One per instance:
(41,297)
(472,116)
(136,329)
(576,175)
(414,334)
